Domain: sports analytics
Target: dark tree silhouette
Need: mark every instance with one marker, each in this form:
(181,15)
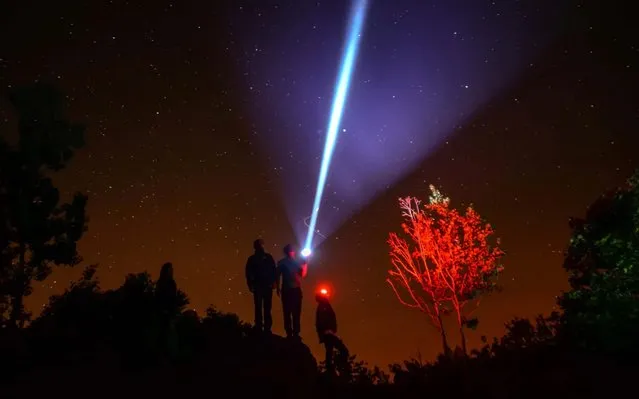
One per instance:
(601,310)
(523,335)
(126,319)
(37,231)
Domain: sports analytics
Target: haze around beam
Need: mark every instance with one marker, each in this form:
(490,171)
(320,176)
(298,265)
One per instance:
(414,87)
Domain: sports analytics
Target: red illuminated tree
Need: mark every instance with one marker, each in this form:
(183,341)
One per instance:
(447,261)
(414,273)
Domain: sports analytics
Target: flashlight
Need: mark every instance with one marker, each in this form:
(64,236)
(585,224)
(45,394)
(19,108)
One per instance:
(306,252)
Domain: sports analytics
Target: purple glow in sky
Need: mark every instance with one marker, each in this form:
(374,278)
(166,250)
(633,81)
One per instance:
(424,69)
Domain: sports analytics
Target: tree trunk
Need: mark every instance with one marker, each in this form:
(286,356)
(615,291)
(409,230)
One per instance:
(460,322)
(442,331)
(463,339)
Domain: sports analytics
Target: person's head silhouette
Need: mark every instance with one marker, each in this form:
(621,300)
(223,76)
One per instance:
(289,251)
(167,271)
(322,295)
(258,245)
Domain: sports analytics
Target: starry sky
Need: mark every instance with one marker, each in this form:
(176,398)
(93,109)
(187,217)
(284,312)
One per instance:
(206,123)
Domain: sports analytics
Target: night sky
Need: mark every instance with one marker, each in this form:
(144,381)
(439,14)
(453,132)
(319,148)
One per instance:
(206,122)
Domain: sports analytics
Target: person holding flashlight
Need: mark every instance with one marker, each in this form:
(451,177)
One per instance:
(290,272)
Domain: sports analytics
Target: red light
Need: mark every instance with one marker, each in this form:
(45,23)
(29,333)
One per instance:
(324,290)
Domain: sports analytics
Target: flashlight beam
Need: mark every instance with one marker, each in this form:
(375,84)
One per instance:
(339,100)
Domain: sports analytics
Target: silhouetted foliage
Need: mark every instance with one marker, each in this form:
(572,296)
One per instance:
(353,378)
(521,336)
(356,372)
(37,231)
(601,310)
(125,329)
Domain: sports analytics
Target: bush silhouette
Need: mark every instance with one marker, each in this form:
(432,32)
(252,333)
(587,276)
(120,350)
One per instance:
(121,333)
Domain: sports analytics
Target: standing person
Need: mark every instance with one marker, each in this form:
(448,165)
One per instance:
(166,290)
(260,279)
(290,272)
(168,307)
(326,327)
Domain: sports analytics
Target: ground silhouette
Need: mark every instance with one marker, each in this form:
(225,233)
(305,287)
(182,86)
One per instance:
(89,338)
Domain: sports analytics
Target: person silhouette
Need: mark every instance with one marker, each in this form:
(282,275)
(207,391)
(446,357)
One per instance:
(260,279)
(166,289)
(166,299)
(326,327)
(290,272)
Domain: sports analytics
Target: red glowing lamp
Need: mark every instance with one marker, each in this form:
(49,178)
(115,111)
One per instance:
(324,290)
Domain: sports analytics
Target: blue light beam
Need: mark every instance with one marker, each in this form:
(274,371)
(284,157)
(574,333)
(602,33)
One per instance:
(349,56)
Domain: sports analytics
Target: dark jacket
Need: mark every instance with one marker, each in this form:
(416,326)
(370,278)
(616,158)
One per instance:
(260,271)
(325,318)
